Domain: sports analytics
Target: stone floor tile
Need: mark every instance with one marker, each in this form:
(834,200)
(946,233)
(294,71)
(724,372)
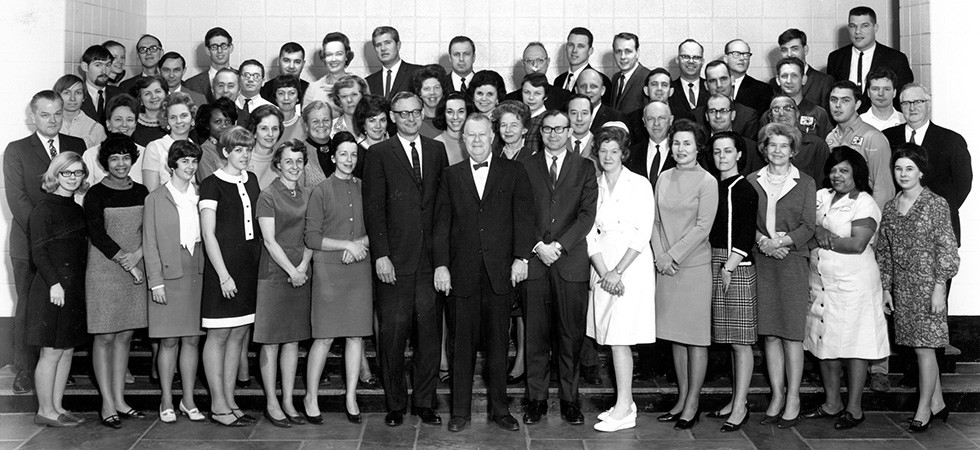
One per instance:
(939,435)
(553,427)
(863,444)
(90,434)
(17,426)
(766,437)
(379,435)
(682,445)
(480,432)
(10,445)
(968,424)
(329,445)
(335,427)
(556,444)
(648,428)
(147,444)
(185,430)
(877,426)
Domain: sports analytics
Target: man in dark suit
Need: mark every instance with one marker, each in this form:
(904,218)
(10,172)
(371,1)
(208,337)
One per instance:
(744,120)
(689,90)
(565,195)
(590,85)
(24,164)
(172,66)
(462,50)
(535,60)
(651,156)
(148,51)
(656,88)
(816,88)
(395,75)
(627,93)
(95,67)
(401,179)
(745,89)
(578,49)
(950,173)
(484,230)
(853,62)
(791,79)
(292,60)
(219,47)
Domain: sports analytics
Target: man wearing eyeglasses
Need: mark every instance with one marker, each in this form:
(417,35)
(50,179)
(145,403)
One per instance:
(401,179)
(250,75)
(811,157)
(219,47)
(565,194)
(745,89)
(852,132)
(725,115)
(24,164)
(791,78)
(148,51)
(484,218)
(535,60)
(292,60)
(689,90)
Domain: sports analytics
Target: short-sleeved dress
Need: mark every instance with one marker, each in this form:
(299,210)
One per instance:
(232,198)
(846,318)
(59,245)
(115,222)
(342,293)
(155,159)
(916,251)
(686,204)
(278,302)
(211,159)
(734,318)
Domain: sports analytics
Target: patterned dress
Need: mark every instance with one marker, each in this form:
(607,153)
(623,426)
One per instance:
(734,318)
(916,251)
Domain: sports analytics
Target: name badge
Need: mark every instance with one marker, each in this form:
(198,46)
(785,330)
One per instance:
(807,120)
(857,140)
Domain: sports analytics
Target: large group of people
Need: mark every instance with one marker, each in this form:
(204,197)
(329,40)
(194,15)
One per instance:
(419,206)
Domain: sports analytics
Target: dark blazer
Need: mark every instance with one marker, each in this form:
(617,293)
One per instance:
(557,98)
(398,211)
(161,239)
(638,161)
(564,213)
(128,86)
(24,164)
(201,84)
(603,115)
(950,171)
(491,233)
(560,84)
(754,94)
(267,93)
(746,122)
(678,100)
(88,104)
(632,97)
(816,89)
(839,66)
(402,81)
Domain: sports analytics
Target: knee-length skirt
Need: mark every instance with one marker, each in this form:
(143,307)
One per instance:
(683,305)
(734,317)
(783,287)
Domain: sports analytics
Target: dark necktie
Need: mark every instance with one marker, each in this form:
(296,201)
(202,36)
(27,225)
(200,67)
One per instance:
(554,171)
(568,83)
(690,95)
(246,107)
(416,165)
(100,110)
(482,164)
(578,146)
(51,150)
(388,85)
(462,84)
(655,167)
(912,138)
(620,87)
(860,80)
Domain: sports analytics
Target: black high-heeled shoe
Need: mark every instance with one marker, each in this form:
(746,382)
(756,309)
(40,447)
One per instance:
(353,418)
(729,427)
(669,417)
(687,424)
(918,427)
(942,415)
(278,423)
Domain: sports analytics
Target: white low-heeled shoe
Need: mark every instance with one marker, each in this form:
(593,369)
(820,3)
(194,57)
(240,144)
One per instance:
(193,414)
(610,425)
(604,414)
(168,416)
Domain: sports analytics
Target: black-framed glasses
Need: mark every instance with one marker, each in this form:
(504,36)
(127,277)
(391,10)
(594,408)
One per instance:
(719,112)
(738,54)
(560,129)
(68,173)
(150,49)
(784,108)
(251,76)
(222,46)
(416,113)
(915,103)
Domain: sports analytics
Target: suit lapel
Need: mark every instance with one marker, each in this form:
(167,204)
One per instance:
(39,150)
(400,155)
(566,167)
(470,182)
(492,178)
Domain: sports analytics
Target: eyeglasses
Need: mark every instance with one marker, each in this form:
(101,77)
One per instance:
(689,58)
(739,55)
(535,61)
(785,108)
(416,113)
(222,46)
(719,112)
(251,76)
(70,173)
(915,103)
(475,136)
(150,49)
(548,130)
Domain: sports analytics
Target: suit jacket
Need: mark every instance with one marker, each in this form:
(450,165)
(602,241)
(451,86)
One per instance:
(88,104)
(24,164)
(564,213)
(677,101)
(161,239)
(557,98)
(604,115)
(839,67)
(398,211)
(746,122)
(402,81)
(201,83)
(951,173)
(796,210)
(560,84)
(816,89)
(638,161)
(754,94)
(473,234)
(267,93)
(198,98)
(632,97)
(128,86)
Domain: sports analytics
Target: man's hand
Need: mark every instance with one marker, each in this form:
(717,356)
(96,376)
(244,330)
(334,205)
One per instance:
(442,280)
(518,272)
(548,253)
(386,271)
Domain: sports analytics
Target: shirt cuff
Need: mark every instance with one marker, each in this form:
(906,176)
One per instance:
(154,288)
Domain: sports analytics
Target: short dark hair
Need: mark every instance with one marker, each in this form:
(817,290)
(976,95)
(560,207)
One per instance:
(791,60)
(121,101)
(914,152)
(613,134)
(294,145)
(687,125)
(202,121)
(518,109)
(261,113)
(882,72)
(96,53)
(178,98)
(849,85)
(292,47)
(577,96)
(487,77)
(48,95)
(715,63)
(582,31)
(149,36)
(628,37)
(860,166)
(430,71)
(368,107)
(385,29)
(251,62)
(399,96)
(116,144)
(863,11)
(791,34)
(555,113)
(337,139)
(172,55)
(183,149)
(439,121)
(536,80)
(65,82)
(286,81)
(345,82)
(216,32)
(145,82)
(111,43)
(657,71)
(462,39)
(336,36)
(685,41)
(737,140)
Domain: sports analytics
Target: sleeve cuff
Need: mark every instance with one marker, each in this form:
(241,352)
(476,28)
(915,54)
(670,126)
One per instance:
(208,204)
(155,288)
(740,252)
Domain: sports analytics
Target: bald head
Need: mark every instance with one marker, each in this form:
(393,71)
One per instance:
(589,84)
(657,120)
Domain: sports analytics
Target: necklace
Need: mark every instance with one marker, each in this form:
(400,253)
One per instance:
(776,180)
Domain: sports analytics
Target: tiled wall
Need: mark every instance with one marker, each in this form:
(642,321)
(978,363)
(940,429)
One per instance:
(916,39)
(502,28)
(92,22)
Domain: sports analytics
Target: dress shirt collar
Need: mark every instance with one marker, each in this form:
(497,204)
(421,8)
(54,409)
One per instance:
(919,132)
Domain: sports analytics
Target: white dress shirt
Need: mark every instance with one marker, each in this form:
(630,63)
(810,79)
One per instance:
(480,175)
(458,80)
(869,54)
(652,152)
(407,147)
(919,133)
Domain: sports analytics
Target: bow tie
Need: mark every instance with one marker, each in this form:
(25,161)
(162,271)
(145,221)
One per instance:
(482,164)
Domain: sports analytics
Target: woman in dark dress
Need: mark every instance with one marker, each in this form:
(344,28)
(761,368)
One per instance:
(370,127)
(342,285)
(487,89)
(115,295)
(150,91)
(430,83)
(233,243)
(211,120)
(56,308)
(284,289)
(450,115)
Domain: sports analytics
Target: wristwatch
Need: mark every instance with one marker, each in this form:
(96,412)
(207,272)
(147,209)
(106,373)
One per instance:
(619,271)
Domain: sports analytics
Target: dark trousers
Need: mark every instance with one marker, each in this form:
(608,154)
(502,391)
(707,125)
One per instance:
(554,315)
(25,355)
(483,317)
(409,304)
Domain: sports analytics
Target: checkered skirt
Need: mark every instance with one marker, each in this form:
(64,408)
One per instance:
(734,319)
